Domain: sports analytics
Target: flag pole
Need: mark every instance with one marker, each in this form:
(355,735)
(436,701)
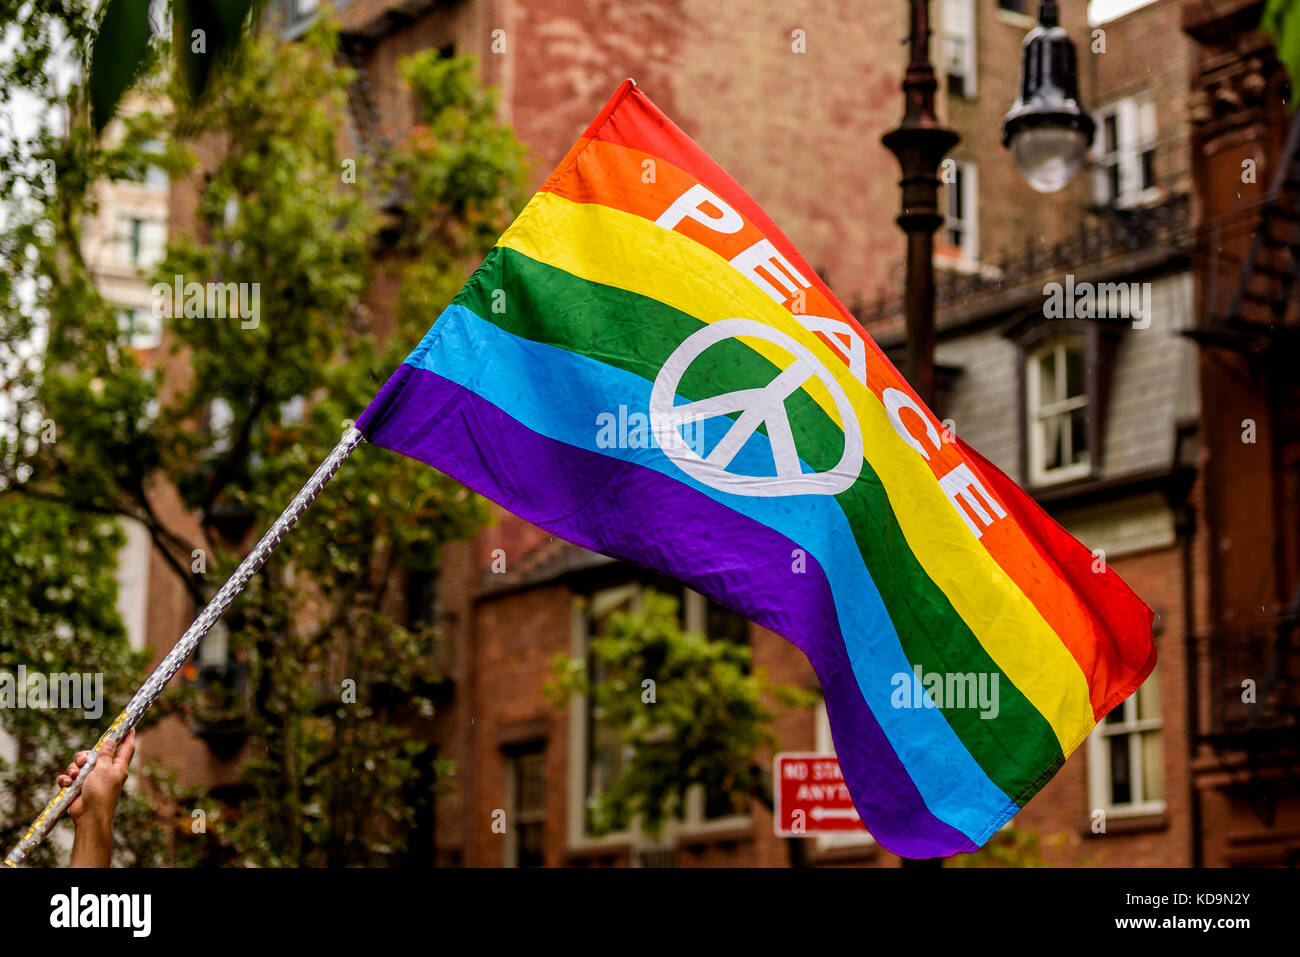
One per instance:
(149,691)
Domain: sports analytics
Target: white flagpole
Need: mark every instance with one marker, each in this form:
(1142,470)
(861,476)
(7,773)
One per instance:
(153,686)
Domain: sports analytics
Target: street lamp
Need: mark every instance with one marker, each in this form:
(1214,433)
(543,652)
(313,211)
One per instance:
(919,142)
(1048,130)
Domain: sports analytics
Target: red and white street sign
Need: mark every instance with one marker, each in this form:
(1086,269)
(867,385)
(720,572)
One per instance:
(811,796)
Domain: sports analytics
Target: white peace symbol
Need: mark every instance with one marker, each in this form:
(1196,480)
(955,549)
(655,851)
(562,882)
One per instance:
(756,406)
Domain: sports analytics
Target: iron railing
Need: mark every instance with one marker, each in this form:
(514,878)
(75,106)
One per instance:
(1252,684)
(1106,236)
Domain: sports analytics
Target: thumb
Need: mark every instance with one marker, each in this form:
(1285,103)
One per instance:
(107,749)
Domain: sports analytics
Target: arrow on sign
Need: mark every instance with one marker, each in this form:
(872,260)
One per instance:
(820,813)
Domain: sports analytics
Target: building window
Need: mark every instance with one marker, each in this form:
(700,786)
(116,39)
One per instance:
(141,242)
(293,411)
(154,175)
(961,226)
(1015,6)
(1124,153)
(214,649)
(959,46)
(139,328)
(1126,755)
(219,421)
(602,746)
(1056,392)
(824,745)
(526,806)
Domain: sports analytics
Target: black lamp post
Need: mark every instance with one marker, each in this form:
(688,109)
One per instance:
(1047,130)
(919,142)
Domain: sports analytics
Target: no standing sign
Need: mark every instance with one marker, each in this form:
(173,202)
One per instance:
(811,796)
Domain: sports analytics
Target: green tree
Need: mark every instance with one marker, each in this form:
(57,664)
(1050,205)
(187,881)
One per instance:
(57,616)
(707,725)
(57,584)
(322,681)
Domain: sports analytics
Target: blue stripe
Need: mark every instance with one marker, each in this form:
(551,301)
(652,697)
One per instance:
(559,394)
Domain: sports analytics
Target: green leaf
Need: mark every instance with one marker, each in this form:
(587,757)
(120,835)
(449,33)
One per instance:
(1281,21)
(118,57)
(206,33)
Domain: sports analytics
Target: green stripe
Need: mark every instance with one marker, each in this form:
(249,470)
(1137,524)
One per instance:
(634,333)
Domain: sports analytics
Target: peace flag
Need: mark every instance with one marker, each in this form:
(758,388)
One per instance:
(645,366)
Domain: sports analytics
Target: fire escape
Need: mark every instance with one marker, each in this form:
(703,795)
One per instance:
(1253,713)
(1261,307)
(1251,720)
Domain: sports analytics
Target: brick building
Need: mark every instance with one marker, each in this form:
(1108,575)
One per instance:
(1098,413)
(1245,709)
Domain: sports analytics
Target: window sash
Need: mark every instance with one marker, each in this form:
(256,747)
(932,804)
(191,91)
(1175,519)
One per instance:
(1101,785)
(523,823)
(1135,136)
(959,47)
(1054,409)
(139,327)
(1149,724)
(1044,417)
(961,208)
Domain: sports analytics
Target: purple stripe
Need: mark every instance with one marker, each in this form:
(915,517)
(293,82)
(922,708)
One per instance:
(638,515)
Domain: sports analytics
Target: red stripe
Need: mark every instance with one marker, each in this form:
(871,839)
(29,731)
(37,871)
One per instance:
(1125,652)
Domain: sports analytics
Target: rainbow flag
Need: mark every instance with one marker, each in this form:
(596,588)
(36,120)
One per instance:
(645,366)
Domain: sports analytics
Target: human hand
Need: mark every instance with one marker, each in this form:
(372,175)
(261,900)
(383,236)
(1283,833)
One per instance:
(101,790)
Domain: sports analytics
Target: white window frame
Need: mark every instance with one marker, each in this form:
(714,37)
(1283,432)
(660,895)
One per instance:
(150,337)
(693,822)
(219,421)
(958,46)
(293,411)
(155,177)
(132,576)
(1036,414)
(1099,782)
(1135,134)
(153,240)
(966,220)
(824,744)
(214,649)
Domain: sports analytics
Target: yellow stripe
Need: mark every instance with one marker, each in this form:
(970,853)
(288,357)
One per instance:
(619,249)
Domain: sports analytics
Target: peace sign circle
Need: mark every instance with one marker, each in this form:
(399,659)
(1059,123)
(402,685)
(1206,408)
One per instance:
(757,406)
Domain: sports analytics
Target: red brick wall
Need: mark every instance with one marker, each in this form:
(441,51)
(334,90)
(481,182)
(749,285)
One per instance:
(516,637)
(799,131)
